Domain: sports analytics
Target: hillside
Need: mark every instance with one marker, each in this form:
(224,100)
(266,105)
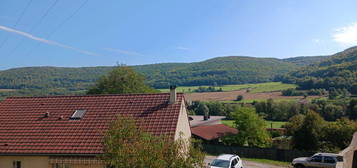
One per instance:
(220,71)
(305,60)
(337,72)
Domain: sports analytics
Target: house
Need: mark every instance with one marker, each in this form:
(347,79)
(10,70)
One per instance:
(212,133)
(67,131)
(199,120)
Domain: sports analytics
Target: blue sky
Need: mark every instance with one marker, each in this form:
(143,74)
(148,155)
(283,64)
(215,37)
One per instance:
(52,33)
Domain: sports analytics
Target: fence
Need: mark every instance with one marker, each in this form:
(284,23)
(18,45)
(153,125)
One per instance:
(262,153)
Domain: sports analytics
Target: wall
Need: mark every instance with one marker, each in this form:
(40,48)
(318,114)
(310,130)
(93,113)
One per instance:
(348,152)
(261,153)
(48,162)
(183,127)
(26,161)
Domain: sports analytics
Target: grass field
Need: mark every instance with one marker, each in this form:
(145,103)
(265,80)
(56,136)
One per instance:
(7,90)
(276,124)
(260,100)
(266,161)
(255,88)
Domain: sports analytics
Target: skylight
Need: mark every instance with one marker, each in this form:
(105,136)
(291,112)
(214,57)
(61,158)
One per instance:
(78,114)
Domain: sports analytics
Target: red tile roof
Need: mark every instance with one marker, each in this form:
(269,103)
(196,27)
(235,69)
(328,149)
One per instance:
(210,132)
(23,130)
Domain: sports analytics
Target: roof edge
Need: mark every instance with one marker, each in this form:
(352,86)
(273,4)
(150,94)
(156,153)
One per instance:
(97,95)
(47,154)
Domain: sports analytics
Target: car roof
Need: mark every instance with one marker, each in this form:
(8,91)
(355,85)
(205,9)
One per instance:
(326,154)
(226,156)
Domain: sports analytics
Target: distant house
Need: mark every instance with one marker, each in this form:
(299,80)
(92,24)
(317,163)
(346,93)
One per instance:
(212,133)
(198,120)
(67,131)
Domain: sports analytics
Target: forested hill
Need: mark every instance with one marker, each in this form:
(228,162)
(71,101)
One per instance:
(220,70)
(305,60)
(337,72)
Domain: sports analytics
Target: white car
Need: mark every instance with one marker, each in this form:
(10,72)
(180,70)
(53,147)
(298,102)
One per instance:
(323,160)
(227,161)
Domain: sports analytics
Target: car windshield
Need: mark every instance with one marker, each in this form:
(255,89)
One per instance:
(220,163)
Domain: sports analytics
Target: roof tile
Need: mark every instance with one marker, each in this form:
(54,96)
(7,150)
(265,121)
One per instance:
(25,130)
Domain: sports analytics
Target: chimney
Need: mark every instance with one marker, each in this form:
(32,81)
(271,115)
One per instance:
(205,116)
(172,99)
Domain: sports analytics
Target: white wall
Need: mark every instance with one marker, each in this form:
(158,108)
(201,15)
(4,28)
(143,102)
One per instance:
(183,127)
(348,152)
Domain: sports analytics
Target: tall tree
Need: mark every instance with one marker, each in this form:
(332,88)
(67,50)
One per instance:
(308,135)
(203,109)
(294,124)
(121,80)
(251,126)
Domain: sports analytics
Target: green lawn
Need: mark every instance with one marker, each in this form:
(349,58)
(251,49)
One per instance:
(266,161)
(255,88)
(276,124)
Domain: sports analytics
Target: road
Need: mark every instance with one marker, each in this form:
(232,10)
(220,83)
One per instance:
(246,164)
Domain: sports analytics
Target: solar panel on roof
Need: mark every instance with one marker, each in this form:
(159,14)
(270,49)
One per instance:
(78,114)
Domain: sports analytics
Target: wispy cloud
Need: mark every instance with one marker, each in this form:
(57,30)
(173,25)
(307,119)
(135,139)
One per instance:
(316,40)
(42,40)
(182,48)
(125,52)
(346,35)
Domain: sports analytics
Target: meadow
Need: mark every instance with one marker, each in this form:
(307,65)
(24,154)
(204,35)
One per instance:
(7,90)
(254,88)
(269,124)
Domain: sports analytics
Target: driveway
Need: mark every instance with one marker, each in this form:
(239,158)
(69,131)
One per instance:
(246,164)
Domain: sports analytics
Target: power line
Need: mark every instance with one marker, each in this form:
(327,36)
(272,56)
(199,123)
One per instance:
(68,18)
(61,24)
(35,25)
(44,15)
(17,21)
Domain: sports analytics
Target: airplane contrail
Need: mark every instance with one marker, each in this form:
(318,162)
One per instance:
(30,36)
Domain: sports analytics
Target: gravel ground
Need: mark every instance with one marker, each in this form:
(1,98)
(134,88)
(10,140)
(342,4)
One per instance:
(246,164)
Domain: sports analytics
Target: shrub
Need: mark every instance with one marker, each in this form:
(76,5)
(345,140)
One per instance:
(126,145)
(239,98)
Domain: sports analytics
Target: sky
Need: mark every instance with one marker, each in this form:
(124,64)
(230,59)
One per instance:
(81,33)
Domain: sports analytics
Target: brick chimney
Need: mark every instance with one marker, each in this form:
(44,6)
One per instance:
(172,99)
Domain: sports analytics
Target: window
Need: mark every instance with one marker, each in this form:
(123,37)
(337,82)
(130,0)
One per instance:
(16,164)
(78,114)
(220,163)
(234,162)
(60,165)
(316,159)
(329,159)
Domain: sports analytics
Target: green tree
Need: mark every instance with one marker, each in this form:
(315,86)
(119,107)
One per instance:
(294,124)
(251,126)
(352,109)
(126,145)
(121,80)
(331,112)
(239,98)
(307,137)
(337,135)
(203,109)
